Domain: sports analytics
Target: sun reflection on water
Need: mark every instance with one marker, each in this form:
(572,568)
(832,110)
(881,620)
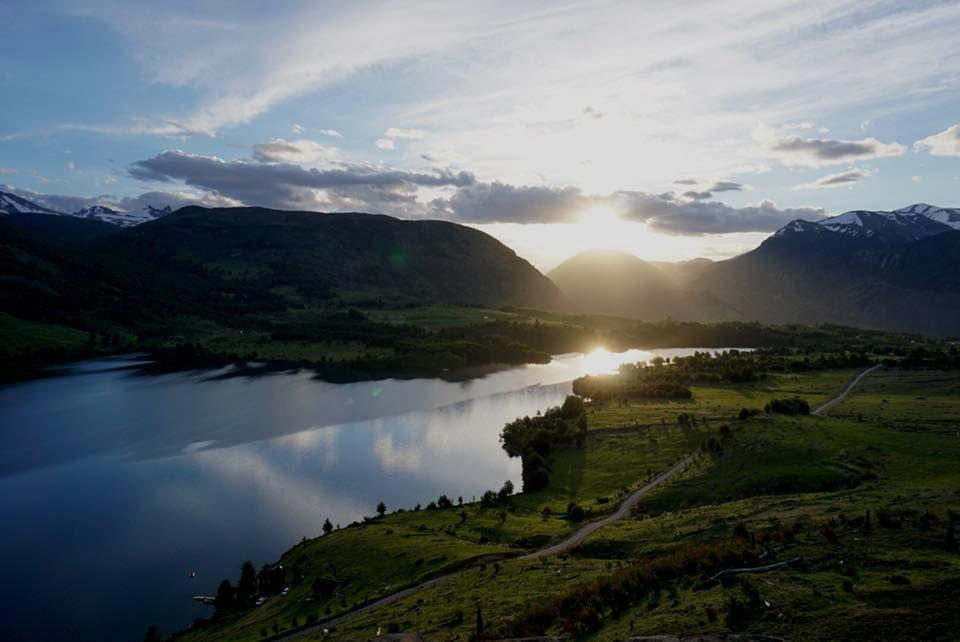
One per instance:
(601,361)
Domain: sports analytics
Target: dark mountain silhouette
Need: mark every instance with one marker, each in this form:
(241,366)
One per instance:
(385,256)
(890,270)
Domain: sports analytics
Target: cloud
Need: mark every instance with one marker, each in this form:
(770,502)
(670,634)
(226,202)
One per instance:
(502,203)
(144,125)
(686,181)
(945,143)
(817,152)
(698,196)
(840,179)
(7,170)
(296,129)
(332,133)
(279,150)
(385,143)
(407,134)
(287,185)
(698,217)
(726,186)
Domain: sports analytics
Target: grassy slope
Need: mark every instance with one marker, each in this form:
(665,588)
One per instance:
(404,548)
(903,583)
(16,334)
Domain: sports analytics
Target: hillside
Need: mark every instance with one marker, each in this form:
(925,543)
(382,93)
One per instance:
(380,255)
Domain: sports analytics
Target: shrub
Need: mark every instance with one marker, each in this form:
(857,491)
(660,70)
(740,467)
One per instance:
(787,406)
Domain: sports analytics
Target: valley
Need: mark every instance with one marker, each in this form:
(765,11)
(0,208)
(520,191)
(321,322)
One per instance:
(856,530)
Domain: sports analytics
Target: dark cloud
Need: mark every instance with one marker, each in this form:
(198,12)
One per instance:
(287,185)
(816,151)
(501,203)
(375,189)
(726,186)
(686,181)
(842,179)
(699,217)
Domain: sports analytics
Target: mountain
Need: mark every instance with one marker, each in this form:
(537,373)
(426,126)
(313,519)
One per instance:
(381,256)
(13,204)
(892,270)
(619,283)
(228,262)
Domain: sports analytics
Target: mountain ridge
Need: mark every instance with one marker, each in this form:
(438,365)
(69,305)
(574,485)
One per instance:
(11,203)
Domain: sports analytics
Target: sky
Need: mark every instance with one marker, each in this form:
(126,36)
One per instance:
(667,129)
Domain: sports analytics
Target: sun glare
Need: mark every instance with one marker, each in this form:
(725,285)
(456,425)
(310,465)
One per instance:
(600,361)
(599,215)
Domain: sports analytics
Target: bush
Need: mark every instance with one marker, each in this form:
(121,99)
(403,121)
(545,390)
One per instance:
(575,513)
(787,406)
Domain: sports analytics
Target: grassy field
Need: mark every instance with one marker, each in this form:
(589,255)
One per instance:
(814,478)
(720,402)
(15,334)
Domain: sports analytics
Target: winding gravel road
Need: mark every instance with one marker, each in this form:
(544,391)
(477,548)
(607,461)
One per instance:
(830,403)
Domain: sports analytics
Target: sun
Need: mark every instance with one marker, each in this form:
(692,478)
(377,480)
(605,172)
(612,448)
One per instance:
(600,215)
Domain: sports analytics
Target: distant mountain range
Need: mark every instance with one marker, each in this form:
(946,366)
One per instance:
(13,204)
(891,270)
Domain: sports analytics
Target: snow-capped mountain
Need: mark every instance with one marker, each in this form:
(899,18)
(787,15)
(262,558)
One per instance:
(13,204)
(123,219)
(946,215)
(906,224)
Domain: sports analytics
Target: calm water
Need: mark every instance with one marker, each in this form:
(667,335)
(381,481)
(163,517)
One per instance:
(114,484)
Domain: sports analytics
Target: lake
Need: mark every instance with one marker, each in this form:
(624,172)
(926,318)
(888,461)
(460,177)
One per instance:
(117,483)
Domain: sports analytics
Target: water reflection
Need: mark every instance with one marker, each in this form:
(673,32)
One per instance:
(124,484)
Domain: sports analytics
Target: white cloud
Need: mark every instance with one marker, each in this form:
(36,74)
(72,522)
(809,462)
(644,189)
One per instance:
(385,143)
(945,143)
(408,134)
(296,129)
(332,133)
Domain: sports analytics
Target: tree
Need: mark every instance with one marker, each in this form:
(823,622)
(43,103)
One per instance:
(327,526)
(247,585)
(381,509)
(535,472)
(225,596)
(505,491)
(572,407)
(152,634)
(444,502)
